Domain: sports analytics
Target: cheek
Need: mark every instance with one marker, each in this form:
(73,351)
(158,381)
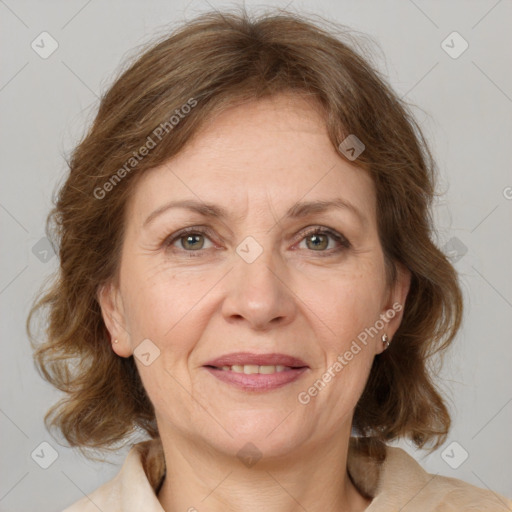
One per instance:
(165,306)
(344,315)
(346,303)
(352,308)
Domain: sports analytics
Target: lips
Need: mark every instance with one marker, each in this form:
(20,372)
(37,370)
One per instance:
(248,359)
(256,372)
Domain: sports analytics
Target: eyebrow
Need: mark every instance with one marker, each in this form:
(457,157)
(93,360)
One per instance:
(298,210)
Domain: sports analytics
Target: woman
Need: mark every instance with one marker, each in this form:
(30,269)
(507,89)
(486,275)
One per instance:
(247,275)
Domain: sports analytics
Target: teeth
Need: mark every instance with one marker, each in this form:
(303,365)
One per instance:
(249,369)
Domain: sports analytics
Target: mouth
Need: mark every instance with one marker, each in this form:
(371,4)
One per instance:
(250,369)
(256,372)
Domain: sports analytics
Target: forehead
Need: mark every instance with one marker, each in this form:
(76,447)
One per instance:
(266,153)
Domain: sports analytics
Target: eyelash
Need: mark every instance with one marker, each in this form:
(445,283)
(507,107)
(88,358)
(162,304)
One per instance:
(342,241)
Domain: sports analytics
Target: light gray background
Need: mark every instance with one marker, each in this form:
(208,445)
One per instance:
(465,109)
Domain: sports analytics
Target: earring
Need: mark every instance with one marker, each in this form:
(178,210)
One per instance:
(116,341)
(385,340)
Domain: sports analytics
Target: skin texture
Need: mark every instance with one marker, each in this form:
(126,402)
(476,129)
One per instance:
(299,297)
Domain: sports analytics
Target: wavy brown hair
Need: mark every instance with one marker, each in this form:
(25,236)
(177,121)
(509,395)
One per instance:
(219,60)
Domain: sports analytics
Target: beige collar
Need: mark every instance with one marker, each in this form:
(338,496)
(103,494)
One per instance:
(398,483)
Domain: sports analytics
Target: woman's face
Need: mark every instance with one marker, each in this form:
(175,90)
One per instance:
(281,260)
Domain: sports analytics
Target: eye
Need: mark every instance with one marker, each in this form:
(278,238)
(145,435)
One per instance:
(321,239)
(189,240)
(318,239)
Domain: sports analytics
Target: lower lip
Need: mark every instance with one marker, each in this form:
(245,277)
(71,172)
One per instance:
(257,381)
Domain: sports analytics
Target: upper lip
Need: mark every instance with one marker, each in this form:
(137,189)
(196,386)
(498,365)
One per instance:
(243,358)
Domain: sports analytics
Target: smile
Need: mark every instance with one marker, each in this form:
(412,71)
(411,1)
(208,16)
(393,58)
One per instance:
(256,378)
(249,369)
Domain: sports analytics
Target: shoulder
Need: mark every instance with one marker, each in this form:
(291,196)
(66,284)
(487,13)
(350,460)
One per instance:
(404,483)
(133,488)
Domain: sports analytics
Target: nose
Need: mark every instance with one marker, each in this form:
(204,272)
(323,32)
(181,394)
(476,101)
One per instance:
(259,293)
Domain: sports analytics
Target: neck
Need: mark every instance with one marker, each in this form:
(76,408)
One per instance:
(312,478)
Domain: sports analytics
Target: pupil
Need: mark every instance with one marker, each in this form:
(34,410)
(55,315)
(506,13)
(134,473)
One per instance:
(191,241)
(318,241)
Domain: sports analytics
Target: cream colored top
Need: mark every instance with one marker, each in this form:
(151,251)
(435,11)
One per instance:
(397,484)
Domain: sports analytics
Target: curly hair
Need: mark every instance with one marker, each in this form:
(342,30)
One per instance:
(215,61)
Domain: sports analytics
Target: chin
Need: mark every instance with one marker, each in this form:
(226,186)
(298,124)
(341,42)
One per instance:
(268,436)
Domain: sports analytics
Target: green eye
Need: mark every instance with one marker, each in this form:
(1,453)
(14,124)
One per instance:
(194,241)
(319,240)
(189,240)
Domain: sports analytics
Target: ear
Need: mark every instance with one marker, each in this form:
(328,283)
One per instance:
(393,310)
(112,311)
